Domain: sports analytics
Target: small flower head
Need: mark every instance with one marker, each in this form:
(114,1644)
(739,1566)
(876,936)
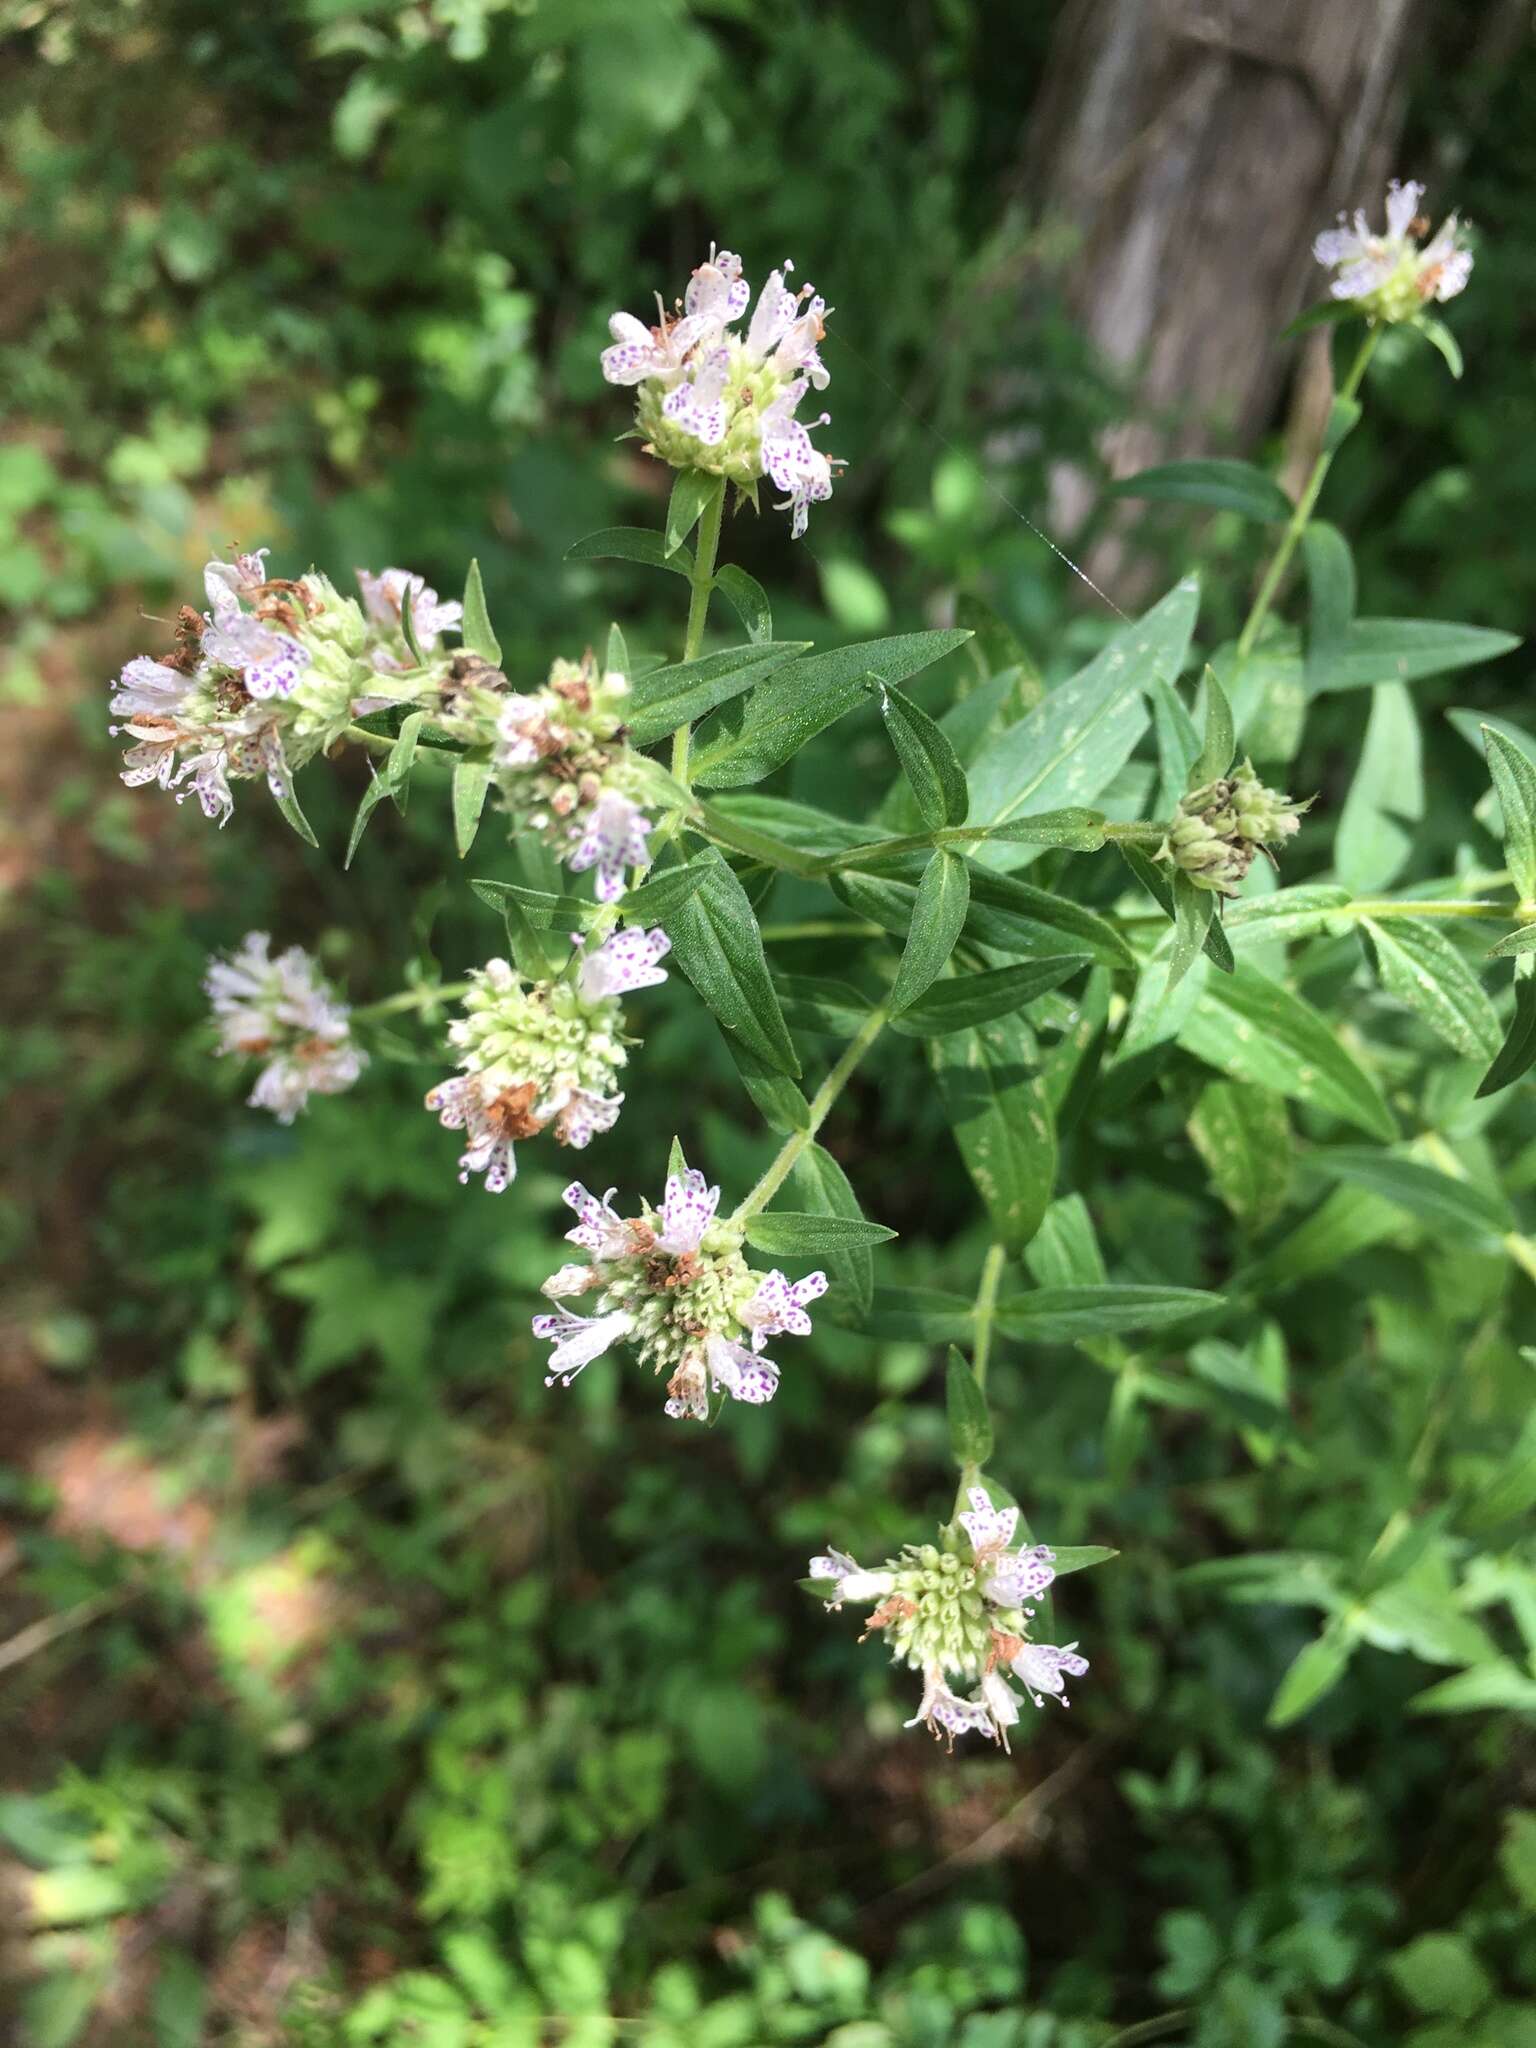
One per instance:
(1217,829)
(284,1013)
(693,1308)
(959,1612)
(715,400)
(384,601)
(542,1055)
(1390,276)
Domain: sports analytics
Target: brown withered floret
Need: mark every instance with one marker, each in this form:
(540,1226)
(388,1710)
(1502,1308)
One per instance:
(510,1114)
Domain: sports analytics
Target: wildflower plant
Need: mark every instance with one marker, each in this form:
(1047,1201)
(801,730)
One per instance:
(1159,921)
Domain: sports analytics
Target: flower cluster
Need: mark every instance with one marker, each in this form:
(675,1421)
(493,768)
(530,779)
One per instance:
(673,1285)
(542,1054)
(1217,829)
(270,674)
(565,772)
(384,600)
(946,1613)
(283,1011)
(723,402)
(1390,277)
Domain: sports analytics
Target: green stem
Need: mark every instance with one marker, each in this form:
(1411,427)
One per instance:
(986,1308)
(413,999)
(1141,831)
(1296,525)
(821,1103)
(375,742)
(1405,906)
(821,928)
(701,582)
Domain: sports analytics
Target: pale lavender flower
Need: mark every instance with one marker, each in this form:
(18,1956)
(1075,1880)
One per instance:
(1389,274)
(944,1710)
(848,1578)
(1039,1668)
(384,601)
(600,1229)
(613,837)
(284,1012)
(779,1305)
(688,1208)
(269,663)
(578,1340)
(1015,1577)
(628,960)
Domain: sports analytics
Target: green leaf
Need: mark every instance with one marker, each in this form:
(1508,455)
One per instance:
(1254,1029)
(402,756)
(477,633)
(1440,337)
(826,1191)
(1343,417)
(1327,313)
(1244,1136)
(803,699)
(1518,1051)
(1220,742)
(616,658)
(1178,743)
(1406,650)
(1193,910)
(997,1109)
(288,804)
(1386,798)
(1497,1684)
(749,600)
(925,1314)
(1517,1857)
(927,758)
(664,891)
(669,697)
(557,913)
(813,1003)
(630,544)
(1286,914)
(1081,1557)
(471,782)
(1078,830)
(372,796)
(1436,1198)
(777,1100)
(408,626)
(1330,570)
(1423,969)
(970,1423)
(1315,1671)
(1223,485)
(1158,886)
(717,944)
(692,490)
(1440,1973)
(938,917)
(1067,1315)
(1016,917)
(996,648)
(977,998)
(806,1234)
(1514,778)
(1075,742)
(526,941)
(1513,944)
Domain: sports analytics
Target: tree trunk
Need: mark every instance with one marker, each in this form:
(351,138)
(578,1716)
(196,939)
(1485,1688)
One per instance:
(1197,149)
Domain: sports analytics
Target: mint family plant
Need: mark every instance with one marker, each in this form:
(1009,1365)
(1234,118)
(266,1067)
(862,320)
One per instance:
(1154,923)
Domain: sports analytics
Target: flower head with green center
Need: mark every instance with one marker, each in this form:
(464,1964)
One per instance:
(1391,277)
(1216,830)
(286,1014)
(726,403)
(542,1054)
(672,1284)
(960,1609)
(273,672)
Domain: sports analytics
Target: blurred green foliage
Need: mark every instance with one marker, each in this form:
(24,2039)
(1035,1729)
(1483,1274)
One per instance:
(383,1696)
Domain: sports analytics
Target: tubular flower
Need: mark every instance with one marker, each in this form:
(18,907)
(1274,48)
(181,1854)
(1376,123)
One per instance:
(1391,277)
(384,598)
(673,1285)
(716,400)
(284,1012)
(544,1054)
(565,773)
(1216,830)
(272,672)
(960,1610)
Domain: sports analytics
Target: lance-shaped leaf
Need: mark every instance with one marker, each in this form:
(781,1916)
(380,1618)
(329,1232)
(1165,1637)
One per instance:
(1006,912)
(1193,909)
(925,1314)
(805,1234)
(471,782)
(1517,1054)
(802,699)
(1315,1671)
(692,489)
(1405,650)
(998,1111)
(669,697)
(969,999)
(1220,740)
(630,544)
(1065,1315)
(1331,596)
(749,600)
(478,635)
(662,892)
(970,1423)
(1158,885)
(776,1098)
(1422,968)
(1435,1198)
(1257,1030)
(1075,742)
(717,944)
(927,758)
(1223,485)
(1386,797)
(825,1189)
(1515,780)
(938,918)
(1244,1136)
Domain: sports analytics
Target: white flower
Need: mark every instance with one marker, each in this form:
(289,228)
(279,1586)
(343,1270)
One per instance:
(628,960)
(744,1375)
(1039,1668)
(612,837)
(468,1103)
(778,1307)
(576,1278)
(148,689)
(1389,275)
(431,615)
(849,1579)
(1015,1576)
(578,1340)
(943,1709)
(269,663)
(282,1011)
(600,1229)
(1001,1703)
(688,1208)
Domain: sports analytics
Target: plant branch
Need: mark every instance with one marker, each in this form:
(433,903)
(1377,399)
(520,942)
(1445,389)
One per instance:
(700,584)
(821,1103)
